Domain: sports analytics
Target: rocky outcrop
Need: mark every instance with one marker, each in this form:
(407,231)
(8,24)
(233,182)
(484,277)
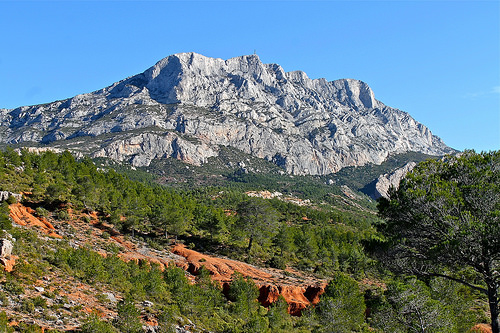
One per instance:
(271,283)
(297,297)
(5,248)
(141,149)
(23,215)
(6,258)
(221,269)
(4,195)
(188,105)
(388,180)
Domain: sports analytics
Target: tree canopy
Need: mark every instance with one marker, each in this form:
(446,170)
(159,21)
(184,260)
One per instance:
(257,220)
(314,239)
(444,220)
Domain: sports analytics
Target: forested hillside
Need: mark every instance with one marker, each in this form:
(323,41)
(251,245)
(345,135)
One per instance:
(318,238)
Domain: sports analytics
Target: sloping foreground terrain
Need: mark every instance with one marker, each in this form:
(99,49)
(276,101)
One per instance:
(73,296)
(86,247)
(53,299)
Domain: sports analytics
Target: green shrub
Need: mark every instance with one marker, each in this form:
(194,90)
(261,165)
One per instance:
(279,319)
(112,247)
(13,287)
(27,306)
(94,325)
(278,262)
(4,300)
(5,222)
(42,212)
(25,328)
(342,306)
(39,301)
(11,200)
(62,214)
(49,294)
(155,244)
(128,317)
(244,293)
(4,323)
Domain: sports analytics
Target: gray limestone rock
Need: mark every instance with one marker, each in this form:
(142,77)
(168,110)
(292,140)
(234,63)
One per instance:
(4,195)
(111,297)
(5,248)
(186,106)
(384,182)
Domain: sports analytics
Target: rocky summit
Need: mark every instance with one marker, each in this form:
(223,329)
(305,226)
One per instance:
(187,106)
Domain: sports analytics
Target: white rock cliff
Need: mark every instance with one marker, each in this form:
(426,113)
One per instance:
(187,106)
(384,182)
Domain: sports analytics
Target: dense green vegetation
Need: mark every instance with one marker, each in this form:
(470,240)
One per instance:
(444,220)
(252,173)
(319,239)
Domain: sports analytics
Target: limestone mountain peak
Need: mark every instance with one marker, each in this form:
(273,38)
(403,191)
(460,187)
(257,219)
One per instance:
(187,105)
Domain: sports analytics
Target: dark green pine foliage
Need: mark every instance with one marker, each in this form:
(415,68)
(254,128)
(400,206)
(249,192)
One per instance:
(310,238)
(128,317)
(5,222)
(342,307)
(444,221)
(257,220)
(319,240)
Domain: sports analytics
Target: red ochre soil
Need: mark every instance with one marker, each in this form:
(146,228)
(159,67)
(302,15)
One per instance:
(481,328)
(298,291)
(23,215)
(8,263)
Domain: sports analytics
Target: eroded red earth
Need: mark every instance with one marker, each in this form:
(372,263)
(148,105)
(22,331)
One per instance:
(299,291)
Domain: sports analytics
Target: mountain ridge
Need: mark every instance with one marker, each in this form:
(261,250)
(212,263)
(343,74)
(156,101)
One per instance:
(187,105)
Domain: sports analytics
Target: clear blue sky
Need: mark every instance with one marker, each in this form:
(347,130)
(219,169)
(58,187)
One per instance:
(437,60)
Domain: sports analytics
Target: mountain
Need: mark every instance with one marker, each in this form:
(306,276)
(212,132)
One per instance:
(189,106)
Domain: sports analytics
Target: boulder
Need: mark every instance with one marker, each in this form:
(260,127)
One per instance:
(6,257)
(111,297)
(384,182)
(5,248)
(4,195)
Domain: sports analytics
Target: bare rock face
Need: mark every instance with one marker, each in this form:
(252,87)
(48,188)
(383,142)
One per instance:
(188,105)
(6,259)
(141,149)
(5,248)
(4,195)
(384,182)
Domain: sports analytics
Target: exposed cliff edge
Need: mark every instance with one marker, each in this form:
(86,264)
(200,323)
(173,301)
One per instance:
(380,186)
(299,293)
(187,105)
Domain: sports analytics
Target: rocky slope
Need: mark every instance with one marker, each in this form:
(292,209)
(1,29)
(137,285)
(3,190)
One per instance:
(298,289)
(187,106)
(85,230)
